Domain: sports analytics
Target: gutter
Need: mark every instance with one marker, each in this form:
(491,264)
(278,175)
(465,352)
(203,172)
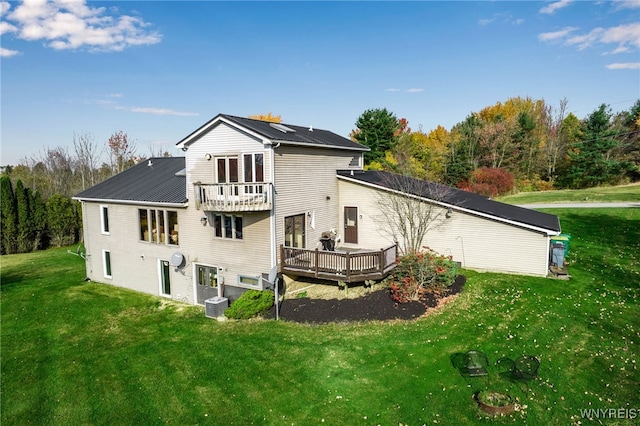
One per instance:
(132,202)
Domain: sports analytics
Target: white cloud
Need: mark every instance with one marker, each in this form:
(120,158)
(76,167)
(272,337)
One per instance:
(625,37)
(556,35)
(502,18)
(411,90)
(624,66)
(627,4)
(7,53)
(72,24)
(555,6)
(6,27)
(157,111)
(4,7)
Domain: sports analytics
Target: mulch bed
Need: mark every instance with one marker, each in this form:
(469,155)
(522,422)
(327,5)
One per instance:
(376,306)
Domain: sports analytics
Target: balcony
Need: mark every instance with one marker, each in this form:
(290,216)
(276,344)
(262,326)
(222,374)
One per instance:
(338,265)
(234,197)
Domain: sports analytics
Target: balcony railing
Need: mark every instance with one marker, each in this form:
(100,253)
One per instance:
(338,265)
(234,197)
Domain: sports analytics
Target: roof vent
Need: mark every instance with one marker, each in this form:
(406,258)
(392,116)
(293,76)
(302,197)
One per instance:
(150,163)
(311,128)
(282,128)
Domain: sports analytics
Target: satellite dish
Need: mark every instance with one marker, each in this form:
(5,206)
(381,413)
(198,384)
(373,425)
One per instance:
(177,259)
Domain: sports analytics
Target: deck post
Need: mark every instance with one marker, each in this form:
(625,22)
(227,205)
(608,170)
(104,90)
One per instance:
(281,258)
(348,266)
(383,261)
(316,262)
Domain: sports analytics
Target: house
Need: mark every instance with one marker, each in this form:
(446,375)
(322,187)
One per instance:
(251,197)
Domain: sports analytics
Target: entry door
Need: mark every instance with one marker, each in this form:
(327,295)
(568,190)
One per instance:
(207,282)
(165,280)
(351,225)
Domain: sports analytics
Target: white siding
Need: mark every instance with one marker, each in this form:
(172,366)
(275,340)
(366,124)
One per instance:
(306,183)
(476,242)
(223,140)
(134,263)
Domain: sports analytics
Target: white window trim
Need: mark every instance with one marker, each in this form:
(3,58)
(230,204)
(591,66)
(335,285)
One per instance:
(253,166)
(103,208)
(249,286)
(160,289)
(233,226)
(104,264)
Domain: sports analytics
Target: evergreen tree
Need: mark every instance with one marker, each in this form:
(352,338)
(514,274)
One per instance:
(592,160)
(378,130)
(39,217)
(9,217)
(25,220)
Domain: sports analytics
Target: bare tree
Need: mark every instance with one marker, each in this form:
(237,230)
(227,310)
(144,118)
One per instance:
(556,142)
(121,151)
(87,155)
(59,167)
(410,209)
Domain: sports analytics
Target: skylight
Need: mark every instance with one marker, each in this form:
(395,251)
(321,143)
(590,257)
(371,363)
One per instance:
(282,128)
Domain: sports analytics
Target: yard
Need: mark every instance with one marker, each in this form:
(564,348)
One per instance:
(76,352)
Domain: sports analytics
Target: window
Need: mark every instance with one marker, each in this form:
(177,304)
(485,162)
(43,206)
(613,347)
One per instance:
(254,167)
(248,281)
(144,224)
(165,278)
(173,227)
(227,169)
(294,231)
(227,226)
(104,219)
(207,276)
(106,263)
(158,226)
(355,161)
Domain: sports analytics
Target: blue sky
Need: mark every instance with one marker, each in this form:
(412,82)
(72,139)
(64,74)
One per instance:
(157,70)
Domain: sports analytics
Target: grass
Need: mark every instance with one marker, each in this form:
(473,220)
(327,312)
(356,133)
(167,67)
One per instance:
(76,352)
(625,193)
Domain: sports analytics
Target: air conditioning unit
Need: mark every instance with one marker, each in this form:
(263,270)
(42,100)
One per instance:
(215,307)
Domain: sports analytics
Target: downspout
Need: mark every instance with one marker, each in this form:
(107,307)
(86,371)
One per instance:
(272,170)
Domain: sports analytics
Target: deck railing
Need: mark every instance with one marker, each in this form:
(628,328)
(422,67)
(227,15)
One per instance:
(234,197)
(338,265)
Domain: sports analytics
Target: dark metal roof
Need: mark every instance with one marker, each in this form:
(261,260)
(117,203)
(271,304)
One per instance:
(162,182)
(282,133)
(455,197)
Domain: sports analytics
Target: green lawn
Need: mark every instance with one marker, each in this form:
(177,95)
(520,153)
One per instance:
(76,352)
(627,193)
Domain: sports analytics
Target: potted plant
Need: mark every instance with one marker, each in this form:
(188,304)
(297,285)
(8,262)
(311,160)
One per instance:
(493,402)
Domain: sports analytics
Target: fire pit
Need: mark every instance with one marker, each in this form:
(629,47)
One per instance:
(494,403)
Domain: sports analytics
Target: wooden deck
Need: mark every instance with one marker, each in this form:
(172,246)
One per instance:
(338,265)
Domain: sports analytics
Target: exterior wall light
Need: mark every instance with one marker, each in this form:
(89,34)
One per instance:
(203,221)
(448,214)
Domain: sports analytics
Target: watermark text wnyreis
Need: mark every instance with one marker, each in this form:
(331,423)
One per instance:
(610,413)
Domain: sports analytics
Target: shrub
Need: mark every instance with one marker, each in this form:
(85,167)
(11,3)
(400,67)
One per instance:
(250,304)
(419,273)
(489,181)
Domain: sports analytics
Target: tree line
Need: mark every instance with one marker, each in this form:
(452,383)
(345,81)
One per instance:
(521,144)
(37,210)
